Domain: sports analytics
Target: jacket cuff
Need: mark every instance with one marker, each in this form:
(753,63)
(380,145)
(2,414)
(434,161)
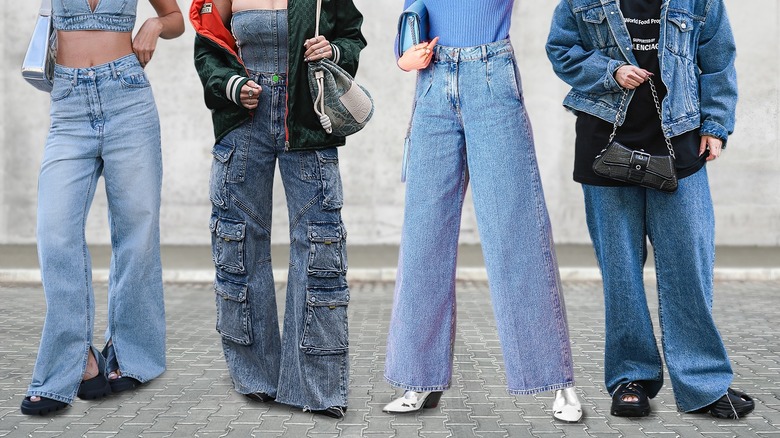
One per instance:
(610,83)
(336,56)
(714,129)
(233,87)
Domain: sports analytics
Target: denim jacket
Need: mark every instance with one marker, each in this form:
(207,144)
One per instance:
(589,41)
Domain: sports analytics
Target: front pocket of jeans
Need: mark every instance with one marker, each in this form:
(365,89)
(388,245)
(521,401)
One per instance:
(326,330)
(134,77)
(326,249)
(229,245)
(61,88)
(233,319)
(503,78)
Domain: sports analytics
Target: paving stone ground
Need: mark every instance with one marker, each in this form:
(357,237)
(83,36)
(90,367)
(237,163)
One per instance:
(195,398)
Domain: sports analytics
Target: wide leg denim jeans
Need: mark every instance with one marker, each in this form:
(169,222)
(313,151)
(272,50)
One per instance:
(308,365)
(680,226)
(103,122)
(470,124)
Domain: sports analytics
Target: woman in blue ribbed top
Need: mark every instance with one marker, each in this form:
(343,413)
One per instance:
(469,124)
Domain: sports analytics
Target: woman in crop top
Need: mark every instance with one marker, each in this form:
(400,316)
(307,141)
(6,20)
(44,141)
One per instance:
(469,124)
(103,122)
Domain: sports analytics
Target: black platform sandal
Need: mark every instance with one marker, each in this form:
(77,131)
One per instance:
(97,387)
(43,406)
(733,405)
(120,383)
(621,407)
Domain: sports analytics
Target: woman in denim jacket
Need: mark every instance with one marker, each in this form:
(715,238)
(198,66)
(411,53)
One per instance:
(103,122)
(470,125)
(604,49)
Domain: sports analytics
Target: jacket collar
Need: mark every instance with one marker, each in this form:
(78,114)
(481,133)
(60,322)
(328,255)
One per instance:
(207,23)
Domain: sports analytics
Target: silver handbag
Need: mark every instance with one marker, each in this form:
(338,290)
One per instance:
(343,106)
(38,65)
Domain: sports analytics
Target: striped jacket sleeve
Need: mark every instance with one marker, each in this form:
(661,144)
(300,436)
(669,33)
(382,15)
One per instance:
(222,79)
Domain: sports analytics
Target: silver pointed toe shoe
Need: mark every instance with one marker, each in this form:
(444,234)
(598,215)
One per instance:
(566,406)
(413,401)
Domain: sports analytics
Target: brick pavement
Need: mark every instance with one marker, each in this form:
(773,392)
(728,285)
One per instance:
(194,397)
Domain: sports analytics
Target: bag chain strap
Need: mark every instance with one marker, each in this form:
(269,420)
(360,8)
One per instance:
(658,110)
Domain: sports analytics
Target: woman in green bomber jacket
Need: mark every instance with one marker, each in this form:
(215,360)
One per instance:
(252,58)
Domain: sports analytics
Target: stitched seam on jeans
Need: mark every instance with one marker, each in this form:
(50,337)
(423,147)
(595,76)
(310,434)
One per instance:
(294,223)
(245,208)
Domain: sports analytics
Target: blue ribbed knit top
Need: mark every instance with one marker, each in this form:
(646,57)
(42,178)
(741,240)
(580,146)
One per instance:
(467,23)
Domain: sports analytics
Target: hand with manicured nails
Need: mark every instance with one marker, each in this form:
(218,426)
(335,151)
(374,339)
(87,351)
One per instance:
(417,57)
(630,77)
(250,94)
(317,48)
(715,146)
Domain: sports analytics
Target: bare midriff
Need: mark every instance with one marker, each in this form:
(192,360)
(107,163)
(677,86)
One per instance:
(87,48)
(243,5)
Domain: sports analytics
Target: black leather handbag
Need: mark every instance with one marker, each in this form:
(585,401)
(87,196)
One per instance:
(637,167)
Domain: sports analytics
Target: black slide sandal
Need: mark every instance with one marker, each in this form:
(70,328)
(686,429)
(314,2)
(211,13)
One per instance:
(94,388)
(623,408)
(121,383)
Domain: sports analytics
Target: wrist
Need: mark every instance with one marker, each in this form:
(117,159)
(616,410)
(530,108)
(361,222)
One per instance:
(156,24)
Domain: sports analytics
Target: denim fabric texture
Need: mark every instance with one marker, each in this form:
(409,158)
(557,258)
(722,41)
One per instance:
(589,41)
(308,365)
(103,122)
(109,15)
(470,125)
(680,227)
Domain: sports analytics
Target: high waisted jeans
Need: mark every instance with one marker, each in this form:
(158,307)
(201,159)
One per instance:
(680,228)
(103,122)
(308,365)
(470,123)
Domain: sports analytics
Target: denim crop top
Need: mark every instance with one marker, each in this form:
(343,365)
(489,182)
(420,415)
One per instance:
(109,15)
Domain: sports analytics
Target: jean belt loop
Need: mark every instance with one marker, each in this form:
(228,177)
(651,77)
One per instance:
(456,56)
(484,53)
(114,73)
(75,76)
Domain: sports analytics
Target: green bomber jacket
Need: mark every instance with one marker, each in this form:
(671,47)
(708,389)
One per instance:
(223,73)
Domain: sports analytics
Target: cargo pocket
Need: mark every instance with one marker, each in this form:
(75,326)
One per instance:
(327,257)
(332,193)
(326,331)
(229,245)
(219,172)
(233,319)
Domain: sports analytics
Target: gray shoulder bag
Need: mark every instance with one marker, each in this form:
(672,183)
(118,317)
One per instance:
(343,106)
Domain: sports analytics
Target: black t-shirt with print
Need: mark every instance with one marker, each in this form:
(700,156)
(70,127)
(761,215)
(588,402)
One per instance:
(642,128)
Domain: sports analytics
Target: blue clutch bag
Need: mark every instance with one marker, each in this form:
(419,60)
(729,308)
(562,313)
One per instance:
(412,27)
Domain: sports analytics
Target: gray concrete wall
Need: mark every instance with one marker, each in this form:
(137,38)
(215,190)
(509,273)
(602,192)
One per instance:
(745,180)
